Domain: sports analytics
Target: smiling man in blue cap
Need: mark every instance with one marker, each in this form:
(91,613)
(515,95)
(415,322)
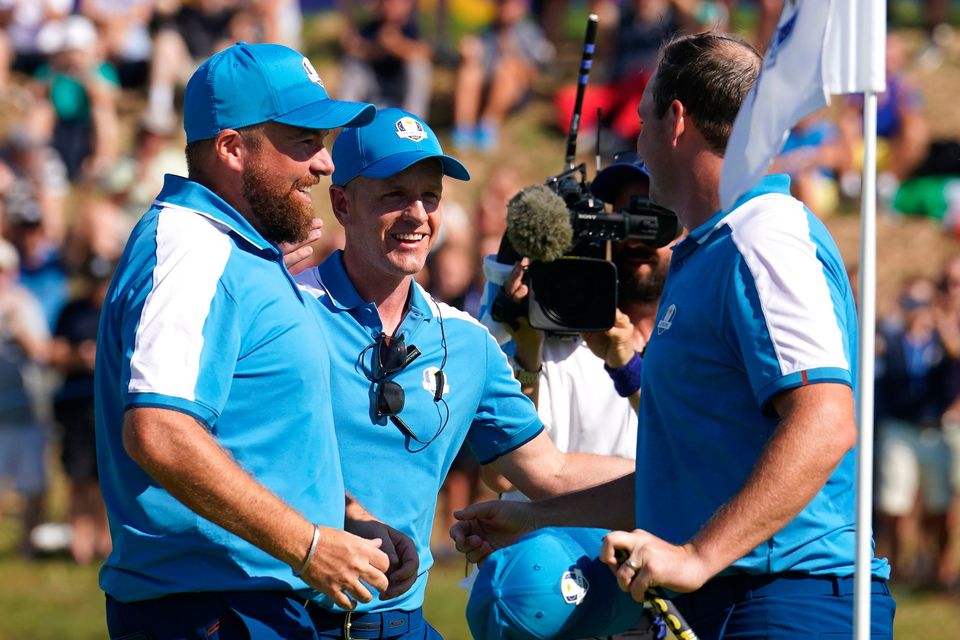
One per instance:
(421,377)
(219,465)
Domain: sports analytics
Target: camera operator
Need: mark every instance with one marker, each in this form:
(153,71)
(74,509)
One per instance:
(564,374)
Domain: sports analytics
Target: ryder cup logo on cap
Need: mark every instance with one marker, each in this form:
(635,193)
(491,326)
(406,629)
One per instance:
(574,586)
(311,72)
(247,84)
(550,585)
(394,141)
(410,129)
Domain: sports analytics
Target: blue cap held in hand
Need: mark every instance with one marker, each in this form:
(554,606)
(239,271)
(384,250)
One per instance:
(550,585)
(247,84)
(394,141)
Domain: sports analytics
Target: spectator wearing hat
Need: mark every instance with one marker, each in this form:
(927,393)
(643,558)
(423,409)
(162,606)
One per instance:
(23,20)
(430,377)
(42,268)
(216,452)
(82,87)
(24,346)
(124,28)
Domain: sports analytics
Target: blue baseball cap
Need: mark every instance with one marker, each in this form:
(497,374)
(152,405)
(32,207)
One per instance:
(626,165)
(394,140)
(247,84)
(550,585)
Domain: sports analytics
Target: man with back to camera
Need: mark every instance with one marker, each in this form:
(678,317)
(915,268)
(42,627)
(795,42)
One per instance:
(744,454)
(218,461)
(428,376)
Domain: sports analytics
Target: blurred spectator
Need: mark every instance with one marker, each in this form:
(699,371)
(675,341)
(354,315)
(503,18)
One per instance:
(42,270)
(491,216)
(948,325)
(936,17)
(22,21)
(24,345)
(73,353)
(32,171)
(137,177)
(123,28)
(643,25)
(914,460)
(386,61)
(902,129)
(496,71)
(187,34)
(453,276)
(98,234)
(82,88)
(813,155)
(278,21)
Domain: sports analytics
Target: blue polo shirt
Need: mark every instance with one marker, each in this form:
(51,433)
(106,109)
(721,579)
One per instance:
(757,302)
(392,476)
(202,317)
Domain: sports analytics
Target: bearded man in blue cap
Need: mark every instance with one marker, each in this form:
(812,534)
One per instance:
(421,376)
(218,460)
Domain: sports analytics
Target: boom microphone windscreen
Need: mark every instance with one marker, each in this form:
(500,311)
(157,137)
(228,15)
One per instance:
(538,224)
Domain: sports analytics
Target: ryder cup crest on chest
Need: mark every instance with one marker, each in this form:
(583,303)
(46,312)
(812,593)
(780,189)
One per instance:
(666,321)
(429,381)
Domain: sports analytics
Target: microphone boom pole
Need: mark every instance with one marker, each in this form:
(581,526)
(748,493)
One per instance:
(586,62)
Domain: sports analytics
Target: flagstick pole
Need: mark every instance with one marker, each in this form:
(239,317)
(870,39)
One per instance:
(868,314)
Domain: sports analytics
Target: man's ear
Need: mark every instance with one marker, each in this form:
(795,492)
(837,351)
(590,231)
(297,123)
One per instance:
(677,119)
(339,203)
(230,149)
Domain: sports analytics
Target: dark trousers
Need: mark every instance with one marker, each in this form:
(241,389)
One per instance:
(782,607)
(254,615)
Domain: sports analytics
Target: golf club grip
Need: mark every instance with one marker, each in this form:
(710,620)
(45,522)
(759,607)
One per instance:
(671,615)
(678,625)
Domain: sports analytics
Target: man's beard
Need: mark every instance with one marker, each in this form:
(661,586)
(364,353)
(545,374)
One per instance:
(281,215)
(641,286)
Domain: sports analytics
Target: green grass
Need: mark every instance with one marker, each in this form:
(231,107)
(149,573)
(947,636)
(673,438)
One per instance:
(54,599)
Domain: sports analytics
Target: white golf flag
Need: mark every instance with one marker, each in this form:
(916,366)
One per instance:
(821,47)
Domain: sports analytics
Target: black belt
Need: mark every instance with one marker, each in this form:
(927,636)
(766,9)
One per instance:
(725,591)
(364,626)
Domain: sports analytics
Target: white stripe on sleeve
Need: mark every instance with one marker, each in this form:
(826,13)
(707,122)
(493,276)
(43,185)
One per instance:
(793,290)
(191,257)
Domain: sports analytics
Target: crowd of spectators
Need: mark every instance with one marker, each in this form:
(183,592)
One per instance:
(89,93)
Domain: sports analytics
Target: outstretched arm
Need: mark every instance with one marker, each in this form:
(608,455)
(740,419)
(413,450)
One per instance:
(181,455)
(485,527)
(817,429)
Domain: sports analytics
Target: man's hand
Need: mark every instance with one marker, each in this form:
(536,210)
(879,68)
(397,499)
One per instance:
(341,561)
(401,553)
(640,561)
(300,257)
(615,345)
(488,526)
